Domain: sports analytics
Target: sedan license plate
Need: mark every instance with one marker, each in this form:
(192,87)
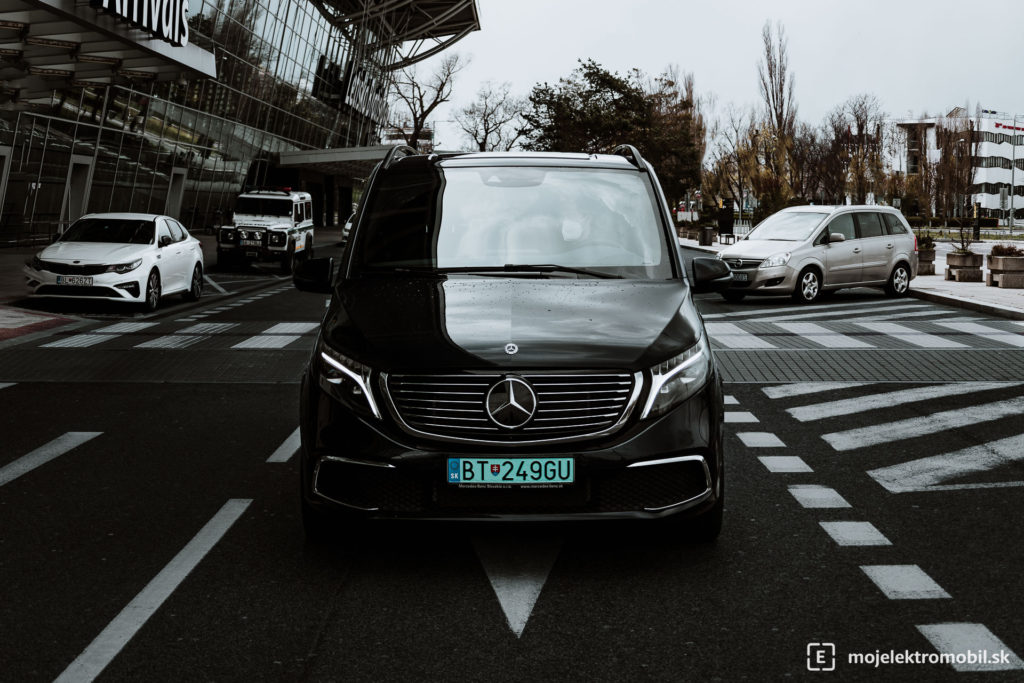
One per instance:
(739,277)
(250,243)
(74,280)
(511,471)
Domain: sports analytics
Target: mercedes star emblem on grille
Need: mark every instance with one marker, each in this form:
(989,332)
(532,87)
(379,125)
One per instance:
(511,403)
(511,349)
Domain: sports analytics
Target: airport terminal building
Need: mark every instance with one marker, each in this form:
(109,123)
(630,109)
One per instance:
(176,106)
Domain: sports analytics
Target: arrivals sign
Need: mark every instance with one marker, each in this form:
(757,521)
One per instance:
(163,19)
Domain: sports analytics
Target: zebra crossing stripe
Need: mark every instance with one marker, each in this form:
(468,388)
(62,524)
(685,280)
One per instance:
(959,640)
(266,341)
(815,496)
(730,335)
(820,411)
(912,314)
(913,337)
(919,426)
(1008,338)
(208,328)
(822,336)
(817,313)
(172,341)
(904,582)
(883,305)
(854,533)
(740,416)
(804,388)
(760,440)
(123,328)
(785,464)
(292,328)
(79,341)
(927,474)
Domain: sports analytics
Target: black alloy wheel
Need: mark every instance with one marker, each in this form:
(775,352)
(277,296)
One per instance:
(195,289)
(152,291)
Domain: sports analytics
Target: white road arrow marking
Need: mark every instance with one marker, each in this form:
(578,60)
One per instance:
(927,474)
(517,572)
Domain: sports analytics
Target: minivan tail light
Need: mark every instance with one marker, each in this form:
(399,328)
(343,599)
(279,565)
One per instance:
(915,241)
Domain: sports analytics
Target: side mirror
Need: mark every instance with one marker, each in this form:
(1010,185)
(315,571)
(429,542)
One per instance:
(836,237)
(315,275)
(165,240)
(710,275)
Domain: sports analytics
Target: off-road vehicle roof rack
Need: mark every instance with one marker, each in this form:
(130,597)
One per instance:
(632,154)
(394,152)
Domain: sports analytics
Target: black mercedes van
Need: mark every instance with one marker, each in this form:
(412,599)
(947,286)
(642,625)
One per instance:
(512,336)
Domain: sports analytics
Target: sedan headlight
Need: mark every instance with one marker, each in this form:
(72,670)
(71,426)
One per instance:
(776,260)
(37,263)
(124,267)
(346,380)
(678,378)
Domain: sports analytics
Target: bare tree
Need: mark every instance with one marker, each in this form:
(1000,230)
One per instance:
(775,139)
(864,143)
(957,143)
(494,121)
(415,99)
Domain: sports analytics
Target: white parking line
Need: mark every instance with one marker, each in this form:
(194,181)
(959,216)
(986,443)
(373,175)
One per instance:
(731,401)
(926,474)
(785,464)
(291,328)
(815,496)
(855,533)
(44,454)
(4,385)
(287,449)
(269,341)
(1008,338)
(820,411)
(209,280)
(911,336)
(101,651)
(730,335)
(172,341)
(740,416)
(760,440)
(959,640)
(822,336)
(919,426)
(904,582)
(804,388)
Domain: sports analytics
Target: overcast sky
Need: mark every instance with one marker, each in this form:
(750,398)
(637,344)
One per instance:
(913,55)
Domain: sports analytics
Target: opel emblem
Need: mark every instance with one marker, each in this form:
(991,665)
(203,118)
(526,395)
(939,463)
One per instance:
(511,403)
(511,349)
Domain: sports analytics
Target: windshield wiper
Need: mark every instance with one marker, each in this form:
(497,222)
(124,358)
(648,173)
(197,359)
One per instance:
(529,268)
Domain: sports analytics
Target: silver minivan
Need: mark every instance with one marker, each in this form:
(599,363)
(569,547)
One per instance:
(806,251)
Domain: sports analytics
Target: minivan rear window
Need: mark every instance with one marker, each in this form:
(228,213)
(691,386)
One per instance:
(894,224)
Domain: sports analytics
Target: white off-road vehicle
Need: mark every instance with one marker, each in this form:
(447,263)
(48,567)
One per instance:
(269,225)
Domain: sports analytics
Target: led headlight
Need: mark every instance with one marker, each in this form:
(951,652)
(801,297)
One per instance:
(678,378)
(345,379)
(124,267)
(776,260)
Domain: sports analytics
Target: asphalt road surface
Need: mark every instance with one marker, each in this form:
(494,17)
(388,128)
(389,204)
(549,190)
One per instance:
(149,524)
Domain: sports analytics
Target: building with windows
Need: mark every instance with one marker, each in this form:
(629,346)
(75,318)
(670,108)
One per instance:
(176,106)
(995,143)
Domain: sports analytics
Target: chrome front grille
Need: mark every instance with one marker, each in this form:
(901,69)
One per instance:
(569,406)
(72,269)
(743,263)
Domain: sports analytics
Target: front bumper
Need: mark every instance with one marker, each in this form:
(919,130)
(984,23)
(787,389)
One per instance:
(663,467)
(128,287)
(776,280)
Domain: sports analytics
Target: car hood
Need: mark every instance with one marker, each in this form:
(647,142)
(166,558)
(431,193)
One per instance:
(423,324)
(93,252)
(758,248)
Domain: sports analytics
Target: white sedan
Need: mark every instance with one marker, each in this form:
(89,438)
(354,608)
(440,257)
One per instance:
(132,257)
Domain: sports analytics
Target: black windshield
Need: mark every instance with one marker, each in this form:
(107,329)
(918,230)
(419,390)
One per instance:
(112,230)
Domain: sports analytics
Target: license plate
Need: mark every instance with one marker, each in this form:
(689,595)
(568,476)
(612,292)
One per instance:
(739,277)
(74,280)
(511,471)
(250,243)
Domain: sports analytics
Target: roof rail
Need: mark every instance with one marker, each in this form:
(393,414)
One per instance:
(404,150)
(632,154)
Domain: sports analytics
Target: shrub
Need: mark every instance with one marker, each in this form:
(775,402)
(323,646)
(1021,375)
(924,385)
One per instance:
(1006,250)
(990,222)
(925,241)
(915,221)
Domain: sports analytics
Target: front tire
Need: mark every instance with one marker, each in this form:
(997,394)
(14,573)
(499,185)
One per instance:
(195,289)
(152,291)
(808,286)
(899,281)
(288,259)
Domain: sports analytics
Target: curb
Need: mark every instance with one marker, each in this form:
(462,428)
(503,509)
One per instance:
(969,304)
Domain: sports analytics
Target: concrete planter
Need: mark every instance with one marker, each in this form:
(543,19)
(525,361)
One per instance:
(1006,272)
(926,262)
(964,267)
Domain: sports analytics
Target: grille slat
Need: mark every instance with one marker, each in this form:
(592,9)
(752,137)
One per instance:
(454,406)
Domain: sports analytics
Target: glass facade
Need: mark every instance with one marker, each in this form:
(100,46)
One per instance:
(285,79)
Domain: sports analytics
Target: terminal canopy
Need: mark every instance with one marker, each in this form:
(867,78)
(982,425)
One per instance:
(413,29)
